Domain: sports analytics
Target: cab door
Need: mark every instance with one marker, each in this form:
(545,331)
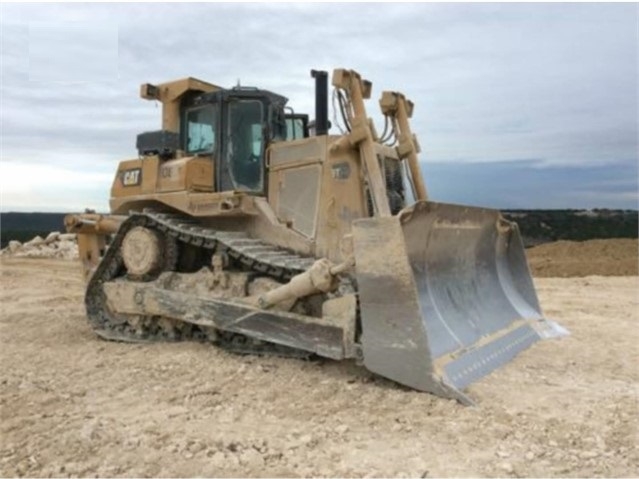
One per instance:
(242,160)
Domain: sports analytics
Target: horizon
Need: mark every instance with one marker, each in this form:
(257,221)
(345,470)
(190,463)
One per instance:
(445,185)
(518,106)
(625,210)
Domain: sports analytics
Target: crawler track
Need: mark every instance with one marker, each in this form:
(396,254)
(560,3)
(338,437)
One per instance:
(255,255)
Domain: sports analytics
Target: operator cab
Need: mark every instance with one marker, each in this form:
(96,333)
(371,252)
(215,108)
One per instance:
(234,127)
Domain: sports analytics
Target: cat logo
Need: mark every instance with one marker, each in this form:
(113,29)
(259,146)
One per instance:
(132,177)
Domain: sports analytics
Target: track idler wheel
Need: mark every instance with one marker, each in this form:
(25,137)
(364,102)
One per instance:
(146,253)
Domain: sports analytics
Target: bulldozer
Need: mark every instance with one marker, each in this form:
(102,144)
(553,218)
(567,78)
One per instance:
(244,224)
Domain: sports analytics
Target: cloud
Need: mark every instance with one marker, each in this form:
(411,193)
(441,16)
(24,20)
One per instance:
(95,47)
(491,82)
(51,188)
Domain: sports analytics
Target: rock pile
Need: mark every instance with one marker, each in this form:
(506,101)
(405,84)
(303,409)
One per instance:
(55,245)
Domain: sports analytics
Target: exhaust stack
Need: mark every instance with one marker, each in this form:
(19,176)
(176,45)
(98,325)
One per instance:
(321,102)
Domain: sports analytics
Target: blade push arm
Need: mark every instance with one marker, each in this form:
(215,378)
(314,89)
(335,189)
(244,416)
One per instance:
(396,106)
(361,135)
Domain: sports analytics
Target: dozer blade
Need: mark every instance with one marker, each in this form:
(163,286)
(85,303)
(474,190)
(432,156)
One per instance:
(446,296)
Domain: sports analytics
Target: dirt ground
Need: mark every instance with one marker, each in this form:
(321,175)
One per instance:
(563,259)
(73,405)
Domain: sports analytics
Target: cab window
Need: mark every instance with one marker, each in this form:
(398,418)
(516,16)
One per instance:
(294,128)
(201,129)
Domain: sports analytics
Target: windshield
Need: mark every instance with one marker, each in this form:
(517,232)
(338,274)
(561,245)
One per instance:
(201,128)
(245,145)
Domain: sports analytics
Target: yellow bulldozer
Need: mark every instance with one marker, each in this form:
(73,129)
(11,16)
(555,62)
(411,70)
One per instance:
(243,223)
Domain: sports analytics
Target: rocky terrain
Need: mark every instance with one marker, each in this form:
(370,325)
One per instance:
(73,405)
(55,245)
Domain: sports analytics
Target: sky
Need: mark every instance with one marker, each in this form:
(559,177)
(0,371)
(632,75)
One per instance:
(516,105)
